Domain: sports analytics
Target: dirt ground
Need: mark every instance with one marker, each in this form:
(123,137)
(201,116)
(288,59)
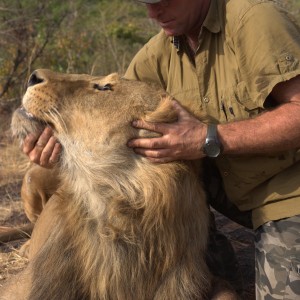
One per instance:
(13,165)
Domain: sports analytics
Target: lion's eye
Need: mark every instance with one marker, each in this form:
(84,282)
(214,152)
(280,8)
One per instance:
(107,87)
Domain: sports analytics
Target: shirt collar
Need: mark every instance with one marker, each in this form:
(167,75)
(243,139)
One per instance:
(212,21)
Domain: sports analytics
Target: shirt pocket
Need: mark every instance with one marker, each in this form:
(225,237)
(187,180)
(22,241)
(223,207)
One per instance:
(237,104)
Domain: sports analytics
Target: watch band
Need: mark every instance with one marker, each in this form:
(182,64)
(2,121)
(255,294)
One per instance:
(212,146)
(212,132)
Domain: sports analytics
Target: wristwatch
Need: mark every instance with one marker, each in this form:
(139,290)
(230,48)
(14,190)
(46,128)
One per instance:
(212,146)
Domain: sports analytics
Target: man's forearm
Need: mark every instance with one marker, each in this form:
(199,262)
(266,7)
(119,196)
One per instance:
(270,132)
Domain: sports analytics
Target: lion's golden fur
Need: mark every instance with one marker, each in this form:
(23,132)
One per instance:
(118,227)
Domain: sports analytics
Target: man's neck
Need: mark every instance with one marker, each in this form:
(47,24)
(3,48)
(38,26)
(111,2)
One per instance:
(192,37)
(193,43)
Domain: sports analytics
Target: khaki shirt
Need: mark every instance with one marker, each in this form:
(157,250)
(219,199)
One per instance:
(245,48)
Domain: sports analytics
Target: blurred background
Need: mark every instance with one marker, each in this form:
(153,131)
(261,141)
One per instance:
(73,36)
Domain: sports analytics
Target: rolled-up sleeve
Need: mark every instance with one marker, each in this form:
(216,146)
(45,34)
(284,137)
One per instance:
(267,43)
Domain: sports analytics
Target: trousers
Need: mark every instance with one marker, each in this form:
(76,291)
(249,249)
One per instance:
(277,260)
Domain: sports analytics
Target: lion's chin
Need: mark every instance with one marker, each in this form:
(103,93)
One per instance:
(24,122)
(25,113)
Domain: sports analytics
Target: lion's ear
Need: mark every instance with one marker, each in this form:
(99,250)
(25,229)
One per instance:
(111,79)
(165,112)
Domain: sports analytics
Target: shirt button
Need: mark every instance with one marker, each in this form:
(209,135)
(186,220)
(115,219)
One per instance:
(225,173)
(288,57)
(206,99)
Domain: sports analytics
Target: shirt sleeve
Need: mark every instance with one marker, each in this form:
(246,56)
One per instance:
(147,64)
(267,43)
(142,68)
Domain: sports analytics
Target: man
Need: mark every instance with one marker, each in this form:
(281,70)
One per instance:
(235,65)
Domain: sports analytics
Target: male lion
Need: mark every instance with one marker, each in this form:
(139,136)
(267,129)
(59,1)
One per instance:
(118,227)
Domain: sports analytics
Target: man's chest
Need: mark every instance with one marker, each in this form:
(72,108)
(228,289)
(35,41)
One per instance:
(210,84)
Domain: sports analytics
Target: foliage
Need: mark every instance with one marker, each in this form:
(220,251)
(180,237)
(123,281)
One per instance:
(79,36)
(91,36)
(26,29)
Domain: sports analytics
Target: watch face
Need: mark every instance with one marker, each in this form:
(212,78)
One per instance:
(212,149)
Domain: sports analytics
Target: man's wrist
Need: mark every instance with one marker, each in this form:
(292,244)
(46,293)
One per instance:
(212,146)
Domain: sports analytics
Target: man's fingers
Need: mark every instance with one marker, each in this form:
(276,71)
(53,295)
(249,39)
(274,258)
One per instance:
(36,140)
(155,156)
(29,143)
(150,143)
(55,153)
(156,127)
(150,153)
(160,160)
(44,137)
(182,112)
(47,151)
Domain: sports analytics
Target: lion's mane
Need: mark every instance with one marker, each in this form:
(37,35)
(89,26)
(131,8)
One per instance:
(118,227)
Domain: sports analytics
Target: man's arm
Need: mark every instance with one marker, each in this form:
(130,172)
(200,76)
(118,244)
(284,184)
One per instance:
(272,131)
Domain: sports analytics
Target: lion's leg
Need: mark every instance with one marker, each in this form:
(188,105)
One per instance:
(45,225)
(19,287)
(55,270)
(39,184)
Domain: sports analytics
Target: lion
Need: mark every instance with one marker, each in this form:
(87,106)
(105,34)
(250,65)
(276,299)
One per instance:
(116,226)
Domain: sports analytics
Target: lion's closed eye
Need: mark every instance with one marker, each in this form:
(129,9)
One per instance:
(106,87)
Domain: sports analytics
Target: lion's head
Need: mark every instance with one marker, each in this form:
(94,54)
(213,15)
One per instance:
(91,116)
(130,229)
(87,108)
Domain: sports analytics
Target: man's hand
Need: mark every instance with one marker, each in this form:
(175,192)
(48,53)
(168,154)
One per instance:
(43,149)
(182,139)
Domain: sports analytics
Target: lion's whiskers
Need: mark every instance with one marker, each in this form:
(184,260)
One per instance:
(57,119)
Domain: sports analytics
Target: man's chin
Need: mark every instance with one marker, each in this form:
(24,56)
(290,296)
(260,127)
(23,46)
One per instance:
(170,32)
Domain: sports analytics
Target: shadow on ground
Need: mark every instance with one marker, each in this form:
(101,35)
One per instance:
(242,240)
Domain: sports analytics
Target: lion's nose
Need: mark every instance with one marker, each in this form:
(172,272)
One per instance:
(34,79)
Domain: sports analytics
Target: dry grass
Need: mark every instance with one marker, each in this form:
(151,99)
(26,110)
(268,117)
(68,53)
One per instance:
(12,168)
(10,263)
